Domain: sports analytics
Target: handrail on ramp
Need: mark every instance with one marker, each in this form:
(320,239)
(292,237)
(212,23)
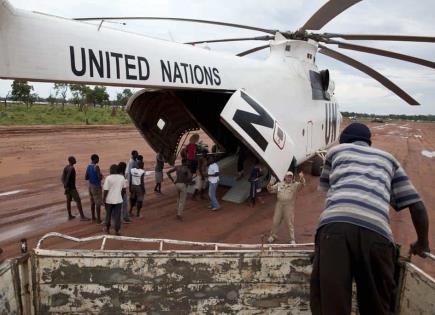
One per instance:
(162,242)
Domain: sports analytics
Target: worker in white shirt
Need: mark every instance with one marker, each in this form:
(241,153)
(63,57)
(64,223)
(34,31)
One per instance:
(114,189)
(137,187)
(213,181)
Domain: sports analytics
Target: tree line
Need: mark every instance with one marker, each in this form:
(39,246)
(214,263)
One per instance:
(81,95)
(354,115)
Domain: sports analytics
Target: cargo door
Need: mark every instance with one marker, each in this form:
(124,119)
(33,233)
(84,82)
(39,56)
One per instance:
(255,126)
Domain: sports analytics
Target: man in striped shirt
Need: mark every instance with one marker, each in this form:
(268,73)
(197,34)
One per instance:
(354,238)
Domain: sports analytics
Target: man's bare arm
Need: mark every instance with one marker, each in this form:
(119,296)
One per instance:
(99,175)
(68,175)
(421,225)
(142,182)
(168,173)
(302,179)
(105,195)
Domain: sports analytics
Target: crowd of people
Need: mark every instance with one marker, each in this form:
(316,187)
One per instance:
(123,179)
(122,191)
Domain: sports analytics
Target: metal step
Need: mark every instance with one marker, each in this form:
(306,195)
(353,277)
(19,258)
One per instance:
(239,192)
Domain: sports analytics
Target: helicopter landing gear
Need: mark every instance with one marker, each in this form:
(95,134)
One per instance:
(317,163)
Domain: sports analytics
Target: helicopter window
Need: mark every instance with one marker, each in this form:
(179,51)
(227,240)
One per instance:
(316,87)
(287,48)
(161,124)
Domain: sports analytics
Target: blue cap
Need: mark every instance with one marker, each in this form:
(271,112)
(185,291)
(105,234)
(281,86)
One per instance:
(356,132)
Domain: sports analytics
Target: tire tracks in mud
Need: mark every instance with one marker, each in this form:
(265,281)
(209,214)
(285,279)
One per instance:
(27,210)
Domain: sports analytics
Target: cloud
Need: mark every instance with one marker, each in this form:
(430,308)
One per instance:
(361,94)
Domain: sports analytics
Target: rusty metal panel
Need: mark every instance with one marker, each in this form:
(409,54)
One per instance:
(8,296)
(417,294)
(239,282)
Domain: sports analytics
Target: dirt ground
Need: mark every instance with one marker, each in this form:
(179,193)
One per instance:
(32,202)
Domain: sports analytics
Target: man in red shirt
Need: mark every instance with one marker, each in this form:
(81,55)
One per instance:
(191,149)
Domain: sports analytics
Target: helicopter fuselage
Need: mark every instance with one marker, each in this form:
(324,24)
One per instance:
(290,103)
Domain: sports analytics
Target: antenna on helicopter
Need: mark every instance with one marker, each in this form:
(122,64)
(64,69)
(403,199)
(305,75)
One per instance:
(113,22)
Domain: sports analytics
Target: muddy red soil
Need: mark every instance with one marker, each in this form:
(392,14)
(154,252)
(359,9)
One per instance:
(32,202)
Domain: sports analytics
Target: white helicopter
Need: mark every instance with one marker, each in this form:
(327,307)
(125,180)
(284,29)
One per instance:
(282,108)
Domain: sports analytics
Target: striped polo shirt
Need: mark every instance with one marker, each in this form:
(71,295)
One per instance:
(361,183)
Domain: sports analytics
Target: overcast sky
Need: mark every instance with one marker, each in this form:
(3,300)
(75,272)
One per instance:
(355,91)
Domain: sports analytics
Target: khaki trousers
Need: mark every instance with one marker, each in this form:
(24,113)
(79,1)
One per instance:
(181,197)
(284,211)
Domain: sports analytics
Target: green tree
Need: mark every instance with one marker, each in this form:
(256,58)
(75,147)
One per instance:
(51,100)
(96,96)
(61,89)
(81,95)
(34,97)
(6,99)
(22,92)
(99,95)
(122,98)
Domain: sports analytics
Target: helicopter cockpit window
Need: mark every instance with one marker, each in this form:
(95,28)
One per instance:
(161,124)
(287,48)
(317,88)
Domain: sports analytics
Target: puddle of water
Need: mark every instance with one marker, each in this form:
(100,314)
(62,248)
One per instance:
(379,127)
(404,127)
(8,193)
(16,232)
(429,154)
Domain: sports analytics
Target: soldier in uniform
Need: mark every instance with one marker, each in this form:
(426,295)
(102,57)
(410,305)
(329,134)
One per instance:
(285,204)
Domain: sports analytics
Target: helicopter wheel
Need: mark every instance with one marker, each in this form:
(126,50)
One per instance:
(316,166)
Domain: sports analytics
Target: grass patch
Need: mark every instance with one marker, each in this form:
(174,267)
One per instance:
(18,114)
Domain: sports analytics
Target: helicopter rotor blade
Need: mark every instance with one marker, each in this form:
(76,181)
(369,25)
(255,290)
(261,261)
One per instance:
(369,71)
(253,28)
(326,13)
(384,53)
(252,50)
(406,38)
(267,37)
